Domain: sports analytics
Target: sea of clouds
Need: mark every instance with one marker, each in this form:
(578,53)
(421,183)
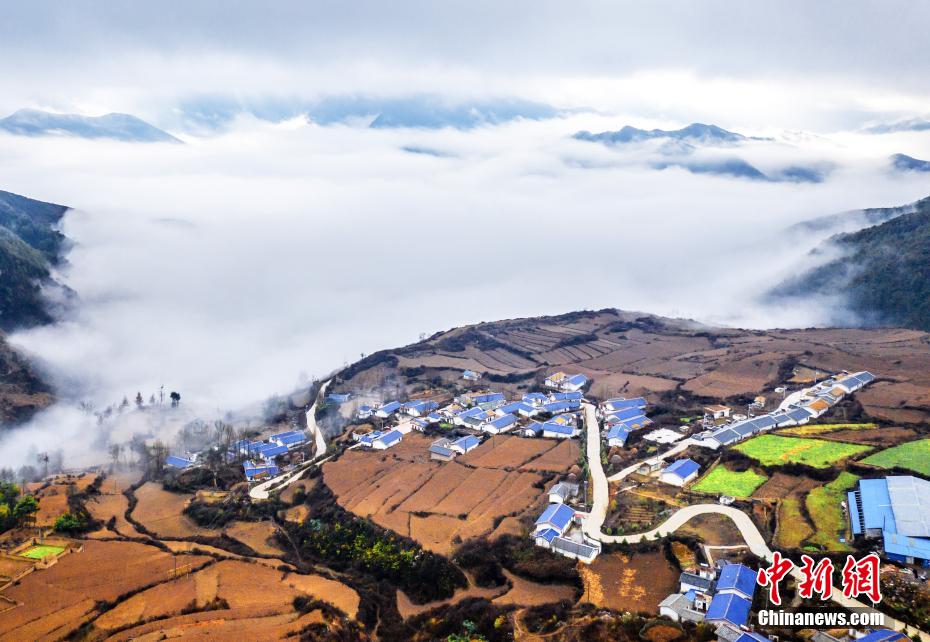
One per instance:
(230,267)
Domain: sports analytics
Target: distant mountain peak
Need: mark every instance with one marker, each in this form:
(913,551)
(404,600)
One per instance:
(693,133)
(116,126)
(905,163)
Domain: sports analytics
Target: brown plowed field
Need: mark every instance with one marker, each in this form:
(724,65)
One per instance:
(434,502)
(255,594)
(624,583)
(506,451)
(161,512)
(56,600)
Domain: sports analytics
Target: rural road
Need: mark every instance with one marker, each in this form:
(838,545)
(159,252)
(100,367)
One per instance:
(751,535)
(261,491)
(592,524)
(313,426)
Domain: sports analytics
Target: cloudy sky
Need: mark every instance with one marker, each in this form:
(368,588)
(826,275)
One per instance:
(824,65)
(273,244)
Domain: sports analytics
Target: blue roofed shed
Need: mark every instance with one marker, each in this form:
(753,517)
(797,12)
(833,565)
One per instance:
(738,579)
(728,607)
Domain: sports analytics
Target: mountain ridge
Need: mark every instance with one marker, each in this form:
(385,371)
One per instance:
(883,270)
(115,126)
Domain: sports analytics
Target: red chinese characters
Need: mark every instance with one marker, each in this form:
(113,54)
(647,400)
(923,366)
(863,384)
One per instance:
(817,578)
(771,576)
(862,577)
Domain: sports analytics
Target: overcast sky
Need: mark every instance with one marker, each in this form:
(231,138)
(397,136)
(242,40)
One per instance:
(810,65)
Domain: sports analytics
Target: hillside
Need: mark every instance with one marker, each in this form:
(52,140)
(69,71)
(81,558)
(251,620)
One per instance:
(30,245)
(673,362)
(124,127)
(884,271)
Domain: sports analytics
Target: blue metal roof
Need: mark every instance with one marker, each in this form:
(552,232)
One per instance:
(737,577)
(535,396)
(799,414)
(566,396)
(469,373)
(558,515)
(467,442)
(548,534)
(876,504)
(389,407)
(897,544)
(253,470)
(728,607)
(578,380)
(684,468)
(622,404)
(516,406)
(752,636)
(269,451)
(289,435)
(370,437)
(441,450)
(567,429)
(883,635)
(726,436)
(503,422)
(534,426)
(490,397)
(618,431)
(178,462)
(627,413)
(764,421)
(560,406)
(390,437)
(339,397)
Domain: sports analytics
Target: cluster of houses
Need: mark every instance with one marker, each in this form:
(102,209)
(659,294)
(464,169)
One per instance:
(621,417)
(555,414)
(723,599)
(557,526)
(812,404)
(261,456)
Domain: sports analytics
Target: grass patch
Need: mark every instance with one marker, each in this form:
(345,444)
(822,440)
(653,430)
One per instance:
(823,505)
(721,481)
(38,552)
(792,525)
(914,455)
(822,429)
(773,450)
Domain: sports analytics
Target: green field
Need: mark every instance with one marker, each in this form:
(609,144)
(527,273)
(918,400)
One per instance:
(721,481)
(914,455)
(773,450)
(823,505)
(821,429)
(792,525)
(38,552)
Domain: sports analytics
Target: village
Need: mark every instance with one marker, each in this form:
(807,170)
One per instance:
(628,482)
(718,592)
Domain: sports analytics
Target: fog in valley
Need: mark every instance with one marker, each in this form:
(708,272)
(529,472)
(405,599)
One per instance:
(271,248)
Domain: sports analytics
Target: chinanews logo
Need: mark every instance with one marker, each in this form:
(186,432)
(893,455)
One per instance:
(860,578)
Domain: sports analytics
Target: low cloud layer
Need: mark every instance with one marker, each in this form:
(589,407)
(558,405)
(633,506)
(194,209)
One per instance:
(227,267)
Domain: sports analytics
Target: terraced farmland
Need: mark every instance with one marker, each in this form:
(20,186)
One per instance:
(914,455)
(774,450)
(722,481)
